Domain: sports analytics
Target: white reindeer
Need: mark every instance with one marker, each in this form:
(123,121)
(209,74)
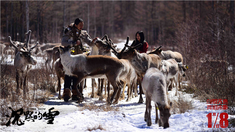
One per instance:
(154,87)
(173,71)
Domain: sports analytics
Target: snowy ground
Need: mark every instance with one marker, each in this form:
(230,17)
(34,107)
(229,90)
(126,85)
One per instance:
(129,118)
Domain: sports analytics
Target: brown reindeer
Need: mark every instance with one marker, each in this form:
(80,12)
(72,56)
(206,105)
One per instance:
(52,55)
(22,62)
(154,87)
(83,66)
(105,49)
(60,74)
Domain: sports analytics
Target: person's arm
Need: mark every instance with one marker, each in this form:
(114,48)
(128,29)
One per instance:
(66,39)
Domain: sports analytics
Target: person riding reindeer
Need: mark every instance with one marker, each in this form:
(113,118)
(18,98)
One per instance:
(72,37)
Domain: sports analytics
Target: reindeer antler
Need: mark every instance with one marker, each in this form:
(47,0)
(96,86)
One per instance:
(12,43)
(33,46)
(126,45)
(105,37)
(27,41)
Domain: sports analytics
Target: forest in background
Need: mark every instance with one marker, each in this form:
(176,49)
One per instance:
(202,31)
(160,20)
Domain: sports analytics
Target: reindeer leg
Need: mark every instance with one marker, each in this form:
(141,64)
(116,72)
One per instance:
(93,90)
(101,89)
(99,86)
(85,83)
(177,85)
(146,111)
(17,82)
(135,89)
(123,91)
(141,92)
(149,122)
(105,86)
(156,108)
(108,88)
(59,87)
(117,96)
(115,87)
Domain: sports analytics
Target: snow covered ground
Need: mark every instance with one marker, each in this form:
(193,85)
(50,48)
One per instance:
(129,118)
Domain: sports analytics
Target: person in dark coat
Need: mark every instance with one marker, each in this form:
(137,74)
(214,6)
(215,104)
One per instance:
(73,36)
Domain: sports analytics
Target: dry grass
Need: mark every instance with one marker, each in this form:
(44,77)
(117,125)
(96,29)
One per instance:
(96,128)
(93,107)
(40,87)
(181,105)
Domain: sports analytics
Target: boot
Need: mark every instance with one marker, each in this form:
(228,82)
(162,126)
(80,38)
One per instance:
(66,94)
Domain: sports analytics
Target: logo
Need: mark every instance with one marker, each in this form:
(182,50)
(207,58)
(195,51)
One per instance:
(31,115)
(217,104)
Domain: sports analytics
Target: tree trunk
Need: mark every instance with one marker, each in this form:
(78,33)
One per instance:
(94,19)
(64,13)
(232,15)
(7,19)
(184,10)
(103,17)
(22,21)
(88,16)
(38,22)
(12,20)
(27,14)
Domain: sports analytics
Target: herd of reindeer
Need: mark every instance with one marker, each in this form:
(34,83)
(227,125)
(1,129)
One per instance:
(155,72)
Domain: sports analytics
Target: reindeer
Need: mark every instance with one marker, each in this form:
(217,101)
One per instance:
(154,87)
(105,49)
(168,54)
(173,71)
(22,62)
(60,74)
(52,55)
(140,61)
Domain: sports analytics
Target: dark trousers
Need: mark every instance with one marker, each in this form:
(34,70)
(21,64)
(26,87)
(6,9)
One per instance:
(69,82)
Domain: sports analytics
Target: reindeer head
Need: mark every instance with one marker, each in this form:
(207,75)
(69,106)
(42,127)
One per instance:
(163,67)
(23,53)
(182,69)
(156,51)
(63,49)
(26,56)
(129,53)
(105,44)
(164,115)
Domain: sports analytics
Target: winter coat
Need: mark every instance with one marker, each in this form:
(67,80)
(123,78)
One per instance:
(70,36)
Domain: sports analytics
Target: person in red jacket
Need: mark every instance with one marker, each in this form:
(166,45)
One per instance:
(139,38)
